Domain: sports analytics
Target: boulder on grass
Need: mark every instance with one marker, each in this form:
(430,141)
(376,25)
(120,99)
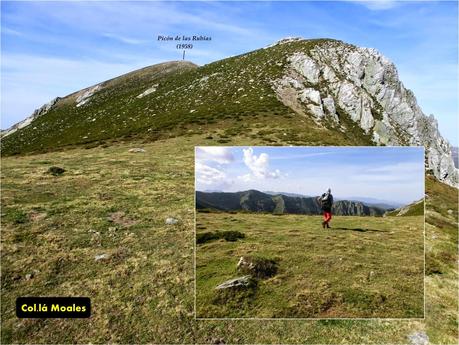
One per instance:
(237,283)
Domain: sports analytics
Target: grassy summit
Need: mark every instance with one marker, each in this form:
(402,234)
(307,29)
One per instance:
(234,94)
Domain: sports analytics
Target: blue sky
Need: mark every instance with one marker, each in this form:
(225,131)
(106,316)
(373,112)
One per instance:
(385,173)
(51,49)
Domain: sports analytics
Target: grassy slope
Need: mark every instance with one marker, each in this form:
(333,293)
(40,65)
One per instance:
(363,267)
(415,209)
(145,292)
(442,261)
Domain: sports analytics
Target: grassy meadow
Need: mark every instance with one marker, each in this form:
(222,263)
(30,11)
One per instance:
(361,267)
(110,201)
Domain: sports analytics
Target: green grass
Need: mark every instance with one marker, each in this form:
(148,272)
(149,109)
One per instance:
(145,292)
(362,267)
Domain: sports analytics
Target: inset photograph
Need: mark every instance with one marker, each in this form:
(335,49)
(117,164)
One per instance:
(309,232)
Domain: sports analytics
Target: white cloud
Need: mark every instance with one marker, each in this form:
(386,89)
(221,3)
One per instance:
(221,155)
(259,166)
(125,39)
(207,175)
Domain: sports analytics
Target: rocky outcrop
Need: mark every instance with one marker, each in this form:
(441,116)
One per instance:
(354,208)
(37,113)
(257,267)
(85,95)
(335,79)
(237,283)
(148,91)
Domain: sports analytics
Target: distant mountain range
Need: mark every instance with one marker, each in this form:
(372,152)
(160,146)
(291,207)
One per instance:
(386,204)
(287,194)
(256,201)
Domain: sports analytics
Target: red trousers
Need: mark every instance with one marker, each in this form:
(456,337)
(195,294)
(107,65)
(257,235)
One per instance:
(327,216)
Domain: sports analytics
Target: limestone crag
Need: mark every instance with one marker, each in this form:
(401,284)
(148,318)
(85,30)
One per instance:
(335,79)
(37,113)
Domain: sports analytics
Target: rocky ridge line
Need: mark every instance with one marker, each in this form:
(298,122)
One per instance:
(336,78)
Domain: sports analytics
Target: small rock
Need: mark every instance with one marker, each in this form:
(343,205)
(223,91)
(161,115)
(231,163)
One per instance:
(450,211)
(240,282)
(137,150)
(100,257)
(28,276)
(419,338)
(171,221)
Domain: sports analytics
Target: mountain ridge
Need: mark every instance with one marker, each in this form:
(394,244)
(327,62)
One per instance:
(326,91)
(256,201)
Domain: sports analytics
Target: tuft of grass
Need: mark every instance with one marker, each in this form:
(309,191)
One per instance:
(15,216)
(229,235)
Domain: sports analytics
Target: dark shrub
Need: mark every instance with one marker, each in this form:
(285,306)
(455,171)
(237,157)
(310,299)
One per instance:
(258,267)
(206,237)
(56,171)
(231,235)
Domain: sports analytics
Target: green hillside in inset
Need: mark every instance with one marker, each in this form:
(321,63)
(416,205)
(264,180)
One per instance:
(361,267)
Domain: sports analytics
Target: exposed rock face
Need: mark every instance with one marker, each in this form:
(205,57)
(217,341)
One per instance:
(86,94)
(336,79)
(148,91)
(353,208)
(37,113)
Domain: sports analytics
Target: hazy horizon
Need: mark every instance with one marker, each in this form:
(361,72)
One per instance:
(394,174)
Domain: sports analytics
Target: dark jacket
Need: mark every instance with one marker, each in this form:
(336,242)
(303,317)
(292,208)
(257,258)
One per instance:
(326,202)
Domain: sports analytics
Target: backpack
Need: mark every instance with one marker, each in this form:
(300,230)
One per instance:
(326,200)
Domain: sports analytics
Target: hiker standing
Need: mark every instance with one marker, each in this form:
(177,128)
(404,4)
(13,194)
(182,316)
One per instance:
(326,202)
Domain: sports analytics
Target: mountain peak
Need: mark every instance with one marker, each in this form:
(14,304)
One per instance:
(298,92)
